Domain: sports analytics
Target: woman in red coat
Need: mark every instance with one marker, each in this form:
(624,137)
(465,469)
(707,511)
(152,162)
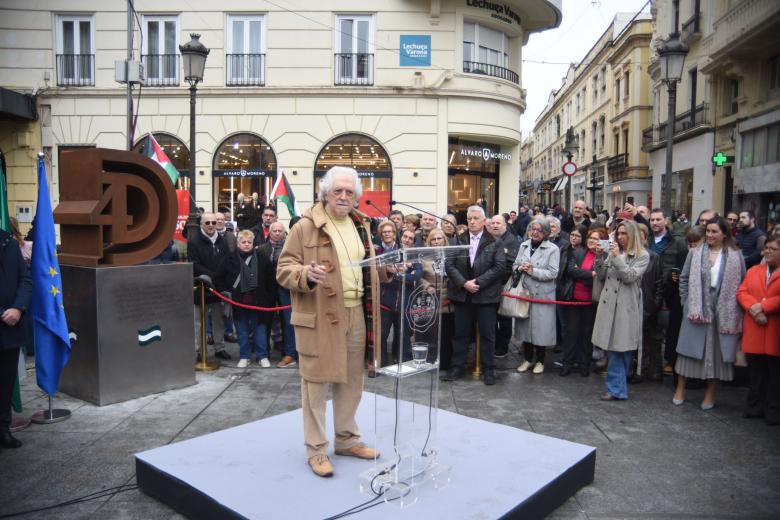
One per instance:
(759,295)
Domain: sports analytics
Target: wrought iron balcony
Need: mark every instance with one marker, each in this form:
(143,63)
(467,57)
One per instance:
(690,120)
(75,70)
(617,164)
(245,70)
(474,67)
(691,28)
(161,70)
(353,69)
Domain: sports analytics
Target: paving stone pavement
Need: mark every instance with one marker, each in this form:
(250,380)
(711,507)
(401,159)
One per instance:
(654,460)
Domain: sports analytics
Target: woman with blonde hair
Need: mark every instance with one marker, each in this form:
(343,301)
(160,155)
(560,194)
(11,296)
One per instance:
(386,232)
(617,329)
(437,281)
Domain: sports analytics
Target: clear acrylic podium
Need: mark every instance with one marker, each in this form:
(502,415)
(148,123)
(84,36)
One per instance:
(406,360)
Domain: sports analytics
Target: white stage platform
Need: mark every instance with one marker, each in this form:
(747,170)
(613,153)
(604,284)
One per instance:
(260,471)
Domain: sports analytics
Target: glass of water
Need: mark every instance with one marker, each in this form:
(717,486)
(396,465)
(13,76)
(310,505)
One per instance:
(419,353)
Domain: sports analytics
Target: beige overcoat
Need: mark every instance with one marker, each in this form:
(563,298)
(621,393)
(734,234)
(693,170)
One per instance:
(318,313)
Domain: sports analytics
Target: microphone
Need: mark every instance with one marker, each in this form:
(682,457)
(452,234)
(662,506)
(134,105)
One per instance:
(369,203)
(394,202)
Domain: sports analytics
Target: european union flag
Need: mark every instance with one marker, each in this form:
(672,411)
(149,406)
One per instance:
(52,346)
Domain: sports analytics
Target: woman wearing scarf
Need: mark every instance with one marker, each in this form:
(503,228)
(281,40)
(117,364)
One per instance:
(759,295)
(537,262)
(617,329)
(250,278)
(707,345)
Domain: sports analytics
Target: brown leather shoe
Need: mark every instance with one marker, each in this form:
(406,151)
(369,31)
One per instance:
(287,361)
(321,466)
(360,451)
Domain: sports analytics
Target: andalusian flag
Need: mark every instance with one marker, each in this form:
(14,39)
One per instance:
(5,225)
(155,152)
(282,192)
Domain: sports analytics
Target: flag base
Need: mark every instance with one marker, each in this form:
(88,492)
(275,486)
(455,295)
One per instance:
(50,416)
(19,423)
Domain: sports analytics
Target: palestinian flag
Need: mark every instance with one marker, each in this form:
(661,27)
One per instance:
(282,192)
(155,152)
(5,225)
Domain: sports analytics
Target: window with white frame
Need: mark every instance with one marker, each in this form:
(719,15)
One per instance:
(354,57)
(160,53)
(486,51)
(761,146)
(75,51)
(245,63)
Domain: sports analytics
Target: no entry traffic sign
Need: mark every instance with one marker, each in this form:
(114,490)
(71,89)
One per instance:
(569,168)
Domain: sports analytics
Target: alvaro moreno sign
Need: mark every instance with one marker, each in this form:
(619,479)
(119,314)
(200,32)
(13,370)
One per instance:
(499,11)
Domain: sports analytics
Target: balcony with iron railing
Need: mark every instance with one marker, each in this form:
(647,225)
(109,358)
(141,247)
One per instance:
(475,67)
(353,69)
(75,70)
(617,164)
(245,70)
(691,28)
(689,122)
(161,70)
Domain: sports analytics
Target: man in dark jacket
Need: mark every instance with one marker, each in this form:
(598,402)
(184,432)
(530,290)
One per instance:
(245,213)
(263,228)
(474,286)
(510,243)
(750,239)
(272,249)
(206,251)
(15,294)
(520,224)
(672,252)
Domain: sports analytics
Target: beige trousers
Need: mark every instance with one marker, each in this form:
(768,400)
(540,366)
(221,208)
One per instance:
(346,396)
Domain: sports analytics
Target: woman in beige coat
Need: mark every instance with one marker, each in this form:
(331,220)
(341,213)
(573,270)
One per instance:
(618,327)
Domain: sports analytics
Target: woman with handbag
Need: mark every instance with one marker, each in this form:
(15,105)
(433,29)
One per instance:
(712,324)
(581,270)
(619,315)
(537,263)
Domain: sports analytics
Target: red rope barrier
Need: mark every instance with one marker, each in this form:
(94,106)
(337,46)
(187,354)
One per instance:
(245,306)
(535,300)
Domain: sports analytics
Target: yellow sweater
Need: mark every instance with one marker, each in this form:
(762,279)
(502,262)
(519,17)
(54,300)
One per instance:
(349,249)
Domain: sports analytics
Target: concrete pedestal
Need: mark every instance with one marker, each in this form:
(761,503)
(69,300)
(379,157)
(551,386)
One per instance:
(131,331)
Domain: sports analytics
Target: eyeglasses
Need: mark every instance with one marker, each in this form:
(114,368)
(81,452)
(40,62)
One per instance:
(210,223)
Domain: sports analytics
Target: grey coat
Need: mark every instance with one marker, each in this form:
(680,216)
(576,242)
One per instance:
(618,325)
(692,337)
(539,328)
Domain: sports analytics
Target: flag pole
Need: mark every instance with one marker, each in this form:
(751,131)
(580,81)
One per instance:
(51,415)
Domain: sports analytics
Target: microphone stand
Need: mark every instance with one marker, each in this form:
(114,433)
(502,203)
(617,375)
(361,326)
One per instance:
(369,203)
(395,202)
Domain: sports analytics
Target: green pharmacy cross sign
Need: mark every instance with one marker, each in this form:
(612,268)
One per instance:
(720,158)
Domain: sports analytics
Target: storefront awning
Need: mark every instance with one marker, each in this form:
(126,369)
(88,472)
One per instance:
(561,184)
(16,105)
(558,183)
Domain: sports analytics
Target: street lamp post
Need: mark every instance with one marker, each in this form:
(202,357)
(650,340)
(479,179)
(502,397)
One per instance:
(671,57)
(193,55)
(570,147)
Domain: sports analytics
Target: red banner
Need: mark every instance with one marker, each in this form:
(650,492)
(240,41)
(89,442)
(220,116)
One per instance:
(379,199)
(183,199)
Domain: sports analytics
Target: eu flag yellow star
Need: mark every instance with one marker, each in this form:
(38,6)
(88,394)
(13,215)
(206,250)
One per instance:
(54,291)
(52,272)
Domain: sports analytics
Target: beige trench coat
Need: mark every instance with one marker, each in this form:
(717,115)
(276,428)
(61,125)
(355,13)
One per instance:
(618,324)
(318,312)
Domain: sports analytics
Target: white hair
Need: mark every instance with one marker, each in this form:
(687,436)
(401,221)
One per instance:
(326,183)
(554,220)
(478,209)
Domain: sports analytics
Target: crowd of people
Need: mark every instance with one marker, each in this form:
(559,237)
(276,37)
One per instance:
(601,273)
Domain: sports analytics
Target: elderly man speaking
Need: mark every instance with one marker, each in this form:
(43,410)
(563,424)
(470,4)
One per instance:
(329,297)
